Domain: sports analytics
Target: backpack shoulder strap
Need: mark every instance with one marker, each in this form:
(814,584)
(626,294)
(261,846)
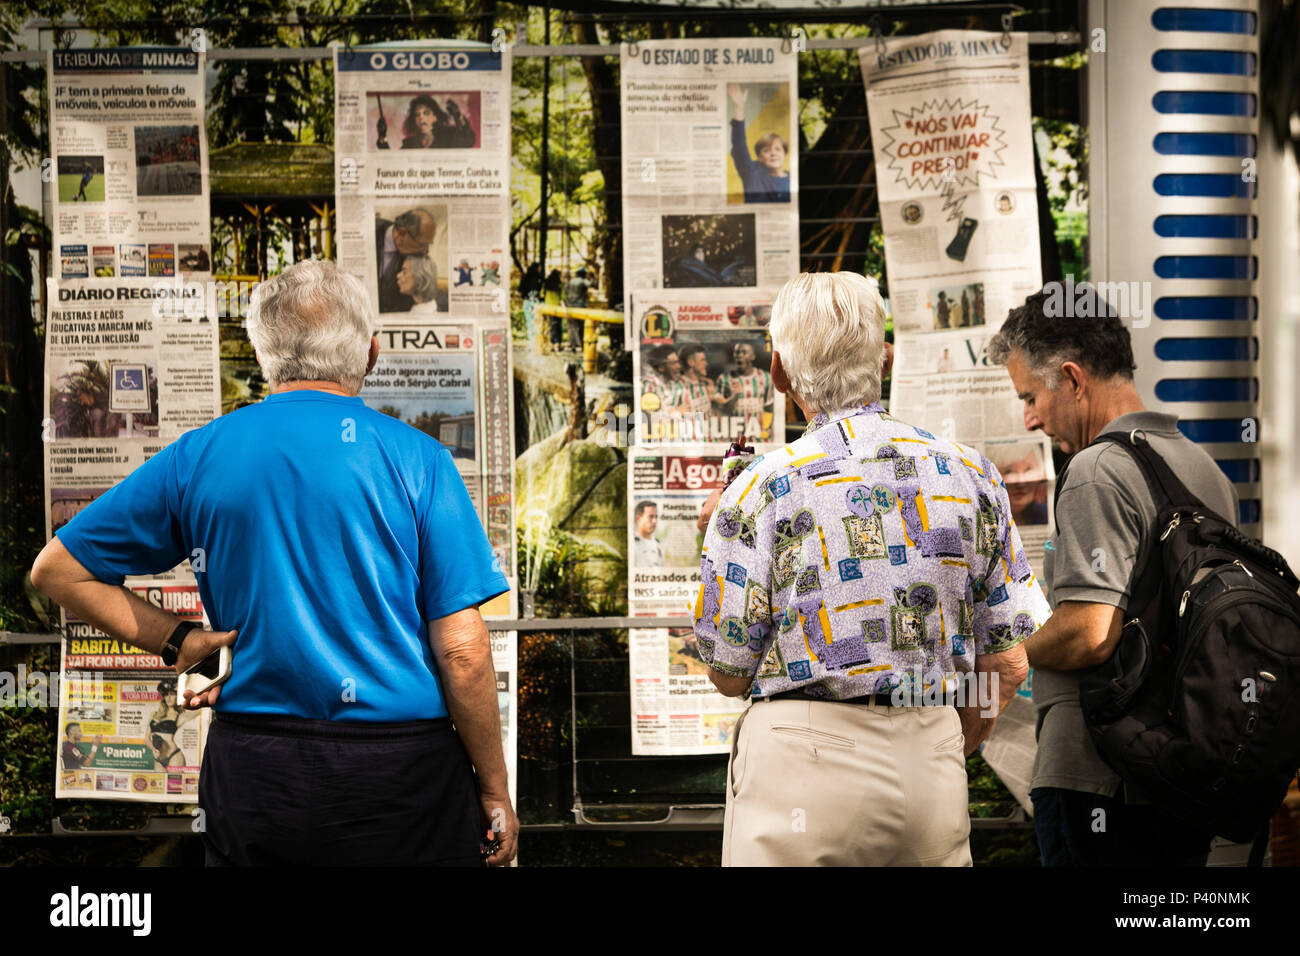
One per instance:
(1166,488)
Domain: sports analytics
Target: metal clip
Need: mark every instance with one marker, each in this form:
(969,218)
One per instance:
(1182,605)
(877,27)
(1006,30)
(1244,568)
(632,48)
(1172,525)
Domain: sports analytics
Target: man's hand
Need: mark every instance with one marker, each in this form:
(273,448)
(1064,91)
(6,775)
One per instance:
(499,823)
(1006,671)
(464,656)
(197,645)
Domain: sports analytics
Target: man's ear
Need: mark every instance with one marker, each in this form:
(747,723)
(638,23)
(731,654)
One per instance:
(888,365)
(780,380)
(374,354)
(1076,376)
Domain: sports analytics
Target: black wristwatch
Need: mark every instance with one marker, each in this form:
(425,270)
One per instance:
(171,648)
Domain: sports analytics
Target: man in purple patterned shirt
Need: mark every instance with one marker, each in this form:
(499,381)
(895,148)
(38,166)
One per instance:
(867,588)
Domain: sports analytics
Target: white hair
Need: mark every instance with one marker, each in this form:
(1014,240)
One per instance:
(312,323)
(424,277)
(829,328)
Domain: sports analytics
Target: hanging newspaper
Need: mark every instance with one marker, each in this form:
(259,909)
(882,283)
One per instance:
(675,708)
(710,168)
(130,366)
(122,734)
(701,368)
(453,382)
(950,126)
(129,163)
(422,176)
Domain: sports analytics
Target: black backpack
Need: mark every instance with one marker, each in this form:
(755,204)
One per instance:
(1199,706)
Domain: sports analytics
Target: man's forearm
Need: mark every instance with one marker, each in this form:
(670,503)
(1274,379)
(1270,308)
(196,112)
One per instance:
(111,608)
(1079,634)
(469,683)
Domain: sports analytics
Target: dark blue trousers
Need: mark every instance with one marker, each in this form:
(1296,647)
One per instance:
(282,791)
(1086,829)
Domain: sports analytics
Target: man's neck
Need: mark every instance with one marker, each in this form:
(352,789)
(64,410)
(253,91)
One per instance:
(1121,401)
(334,388)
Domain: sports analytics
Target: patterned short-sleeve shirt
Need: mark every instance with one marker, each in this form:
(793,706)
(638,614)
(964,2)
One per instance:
(866,556)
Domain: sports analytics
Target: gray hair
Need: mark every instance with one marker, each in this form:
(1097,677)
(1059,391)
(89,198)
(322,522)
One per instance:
(829,329)
(312,322)
(424,277)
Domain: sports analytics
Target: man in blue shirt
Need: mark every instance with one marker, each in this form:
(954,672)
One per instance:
(339,548)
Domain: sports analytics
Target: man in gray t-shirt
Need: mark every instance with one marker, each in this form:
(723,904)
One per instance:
(1075,376)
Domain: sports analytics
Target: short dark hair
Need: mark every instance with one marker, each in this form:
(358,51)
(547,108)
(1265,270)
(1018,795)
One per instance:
(641,506)
(1048,335)
(412,221)
(688,350)
(659,356)
(67,730)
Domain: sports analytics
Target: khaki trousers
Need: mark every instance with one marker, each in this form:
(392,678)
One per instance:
(815,783)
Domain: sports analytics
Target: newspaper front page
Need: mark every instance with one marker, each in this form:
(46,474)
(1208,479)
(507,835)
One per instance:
(952,135)
(710,164)
(130,366)
(422,177)
(951,128)
(675,708)
(453,382)
(129,162)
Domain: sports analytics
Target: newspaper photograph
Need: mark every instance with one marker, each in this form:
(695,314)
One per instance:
(422,176)
(700,369)
(452,381)
(710,173)
(952,136)
(122,735)
(130,163)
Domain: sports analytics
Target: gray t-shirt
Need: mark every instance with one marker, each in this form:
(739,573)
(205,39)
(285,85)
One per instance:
(1105,519)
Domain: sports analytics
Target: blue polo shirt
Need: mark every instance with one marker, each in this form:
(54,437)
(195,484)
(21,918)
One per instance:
(330,534)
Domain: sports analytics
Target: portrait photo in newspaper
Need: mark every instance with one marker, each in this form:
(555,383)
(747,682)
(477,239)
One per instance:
(433,119)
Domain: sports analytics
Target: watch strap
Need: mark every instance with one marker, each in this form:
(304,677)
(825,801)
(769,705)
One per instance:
(171,648)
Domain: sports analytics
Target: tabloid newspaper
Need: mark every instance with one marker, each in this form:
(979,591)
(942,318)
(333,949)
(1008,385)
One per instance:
(700,369)
(675,708)
(130,365)
(710,168)
(950,124)
(422,176)
(453,382)
(129,162)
